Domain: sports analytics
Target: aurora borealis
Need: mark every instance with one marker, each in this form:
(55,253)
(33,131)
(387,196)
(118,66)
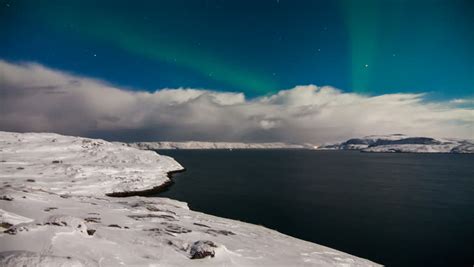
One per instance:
(255,47)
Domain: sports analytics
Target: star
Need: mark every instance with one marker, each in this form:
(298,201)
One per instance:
(366,65)
(95,55)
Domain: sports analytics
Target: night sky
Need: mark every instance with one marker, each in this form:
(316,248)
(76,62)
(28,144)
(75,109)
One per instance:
(244,71)
(254,47)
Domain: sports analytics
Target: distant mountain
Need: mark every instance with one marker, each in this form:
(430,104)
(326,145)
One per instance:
(372,143)
(216,145)
(403,144)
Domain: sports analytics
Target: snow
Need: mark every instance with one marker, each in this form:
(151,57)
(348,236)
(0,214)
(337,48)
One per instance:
(404,144)
(215,145)
(411,148)
(81,166)
(55,211)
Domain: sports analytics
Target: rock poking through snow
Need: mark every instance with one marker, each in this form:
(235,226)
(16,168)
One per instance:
(65,218)
(201,249)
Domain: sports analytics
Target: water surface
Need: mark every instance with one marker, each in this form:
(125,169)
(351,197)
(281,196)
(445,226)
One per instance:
(395,209)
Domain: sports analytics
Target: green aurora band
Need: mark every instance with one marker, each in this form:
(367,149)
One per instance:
(361,21)
(144,41)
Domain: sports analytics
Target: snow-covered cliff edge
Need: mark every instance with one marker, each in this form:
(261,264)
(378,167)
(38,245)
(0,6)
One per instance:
(403,143)
(54,211)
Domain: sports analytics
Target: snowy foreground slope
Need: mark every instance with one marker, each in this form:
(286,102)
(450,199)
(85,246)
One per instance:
(215,145)
(54,211)
(403,143)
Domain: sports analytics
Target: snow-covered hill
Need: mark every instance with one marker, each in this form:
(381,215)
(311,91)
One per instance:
(56,210)
(403,143)
(214,145)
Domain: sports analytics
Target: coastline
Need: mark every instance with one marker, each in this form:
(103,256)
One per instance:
(370,144)
(54,190)
(155,190)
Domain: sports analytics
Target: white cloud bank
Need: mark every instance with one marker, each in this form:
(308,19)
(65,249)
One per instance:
(36,98)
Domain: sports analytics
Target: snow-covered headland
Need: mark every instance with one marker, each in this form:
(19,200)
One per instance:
(56,209)
(215,145)
(404,144)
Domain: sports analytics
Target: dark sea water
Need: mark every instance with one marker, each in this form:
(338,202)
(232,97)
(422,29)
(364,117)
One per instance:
(394,209)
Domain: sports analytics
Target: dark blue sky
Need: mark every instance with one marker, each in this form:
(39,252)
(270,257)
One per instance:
(257,47)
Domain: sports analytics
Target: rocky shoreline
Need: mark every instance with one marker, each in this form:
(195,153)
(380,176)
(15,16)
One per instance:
(153,191)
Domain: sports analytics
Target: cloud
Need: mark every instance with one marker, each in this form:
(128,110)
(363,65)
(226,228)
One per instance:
(463,101)
(36,98)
